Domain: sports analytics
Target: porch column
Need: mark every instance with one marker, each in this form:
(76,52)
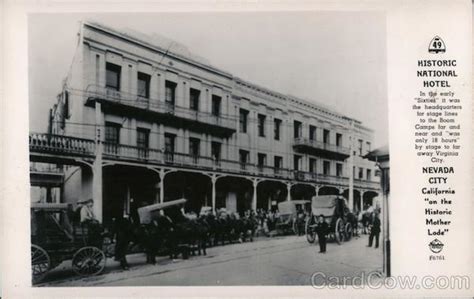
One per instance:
(351,166)
(288,188)
(157,192)
(316,190)
(97,165)
(361,200)
(162,185)
(254,197)
(213,195)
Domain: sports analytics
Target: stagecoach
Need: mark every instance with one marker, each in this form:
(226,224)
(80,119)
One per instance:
(336,213)
(292,215)
(167,228)
(56,236)
(151,212)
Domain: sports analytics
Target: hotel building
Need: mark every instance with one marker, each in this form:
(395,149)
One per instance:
(139,122)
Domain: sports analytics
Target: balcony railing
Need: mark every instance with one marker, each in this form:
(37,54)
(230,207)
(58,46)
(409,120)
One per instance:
(321,148)
(366,184)
(66,145)
(60,144)
(156,105)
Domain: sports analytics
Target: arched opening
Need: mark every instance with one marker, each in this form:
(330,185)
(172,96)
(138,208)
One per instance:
(369,199)
(302,192)
(234,194)
(126,188)
(328,190)
(269,194)
(356,206)
(193,186)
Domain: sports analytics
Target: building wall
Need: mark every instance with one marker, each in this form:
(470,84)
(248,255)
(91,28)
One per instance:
(100,45)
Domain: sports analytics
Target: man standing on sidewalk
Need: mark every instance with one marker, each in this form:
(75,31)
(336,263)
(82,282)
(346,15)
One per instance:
(122,232)
(375,231)
(322,230)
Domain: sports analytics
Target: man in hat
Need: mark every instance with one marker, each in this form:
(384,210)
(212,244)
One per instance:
(89,221)
(121,231)
(322,229)
(375,230)
(87,212)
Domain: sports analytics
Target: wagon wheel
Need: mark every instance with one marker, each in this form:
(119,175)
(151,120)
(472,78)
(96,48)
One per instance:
(40,263)
(309,230)
(295,227)
(348,231)
(88,261)
(339,231)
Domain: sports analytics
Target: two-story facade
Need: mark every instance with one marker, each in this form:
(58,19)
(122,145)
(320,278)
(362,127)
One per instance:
(145,124)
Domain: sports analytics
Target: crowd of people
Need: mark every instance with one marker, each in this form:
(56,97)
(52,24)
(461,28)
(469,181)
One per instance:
(259,223)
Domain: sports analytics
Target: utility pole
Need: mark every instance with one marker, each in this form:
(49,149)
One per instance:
(351,166)
(97,165)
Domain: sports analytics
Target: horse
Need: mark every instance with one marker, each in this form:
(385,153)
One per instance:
(249,226)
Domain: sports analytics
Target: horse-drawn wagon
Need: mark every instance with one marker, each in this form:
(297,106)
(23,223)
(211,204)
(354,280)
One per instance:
(292,216)
(56,237)
(336,213)
(167,227)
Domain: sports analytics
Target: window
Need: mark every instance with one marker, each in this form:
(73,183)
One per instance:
(312,165)
(143,85)
(97,68)
(216,105)
(326,136)
(296,162)
(297,129)
(243,158)
(326,167)
(169,146)
(194,144)
(277,125)
(112,76)
(262,161)
(360,146)
(338,139)
(361,173)
(143,142)
(369,174)
(216,151)
(143,137)
(194,95)
(112,137)
(277,163)
(312,132)
(112,132)
(368,146)
(261,125)
(339,169)
(67,111)
(170,92)
(243,120)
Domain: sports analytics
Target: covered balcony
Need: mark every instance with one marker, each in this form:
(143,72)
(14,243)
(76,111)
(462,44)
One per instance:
(60,148)
(46,175)
(123,103)
(318,148)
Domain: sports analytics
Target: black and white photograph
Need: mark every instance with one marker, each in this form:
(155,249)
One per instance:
(208,149)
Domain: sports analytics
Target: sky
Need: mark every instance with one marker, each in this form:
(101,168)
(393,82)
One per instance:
(337,59)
